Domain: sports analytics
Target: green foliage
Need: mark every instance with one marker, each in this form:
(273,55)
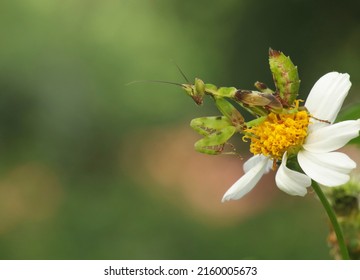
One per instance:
(351,112)
(345,201)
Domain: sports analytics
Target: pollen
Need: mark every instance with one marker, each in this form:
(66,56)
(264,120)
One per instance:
(279,133)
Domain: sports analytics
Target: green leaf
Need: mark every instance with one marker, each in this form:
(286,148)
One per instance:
(350,113)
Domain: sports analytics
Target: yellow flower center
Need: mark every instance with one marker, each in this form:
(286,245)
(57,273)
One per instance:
(278,133)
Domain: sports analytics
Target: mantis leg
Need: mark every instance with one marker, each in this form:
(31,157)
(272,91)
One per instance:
(213,144)
(209,125)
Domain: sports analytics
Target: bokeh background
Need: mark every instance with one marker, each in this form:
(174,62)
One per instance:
(93,169)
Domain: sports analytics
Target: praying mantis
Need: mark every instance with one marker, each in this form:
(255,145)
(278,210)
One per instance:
(217,130)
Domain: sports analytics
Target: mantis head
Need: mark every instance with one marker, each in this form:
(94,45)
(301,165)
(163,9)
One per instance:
(195,91)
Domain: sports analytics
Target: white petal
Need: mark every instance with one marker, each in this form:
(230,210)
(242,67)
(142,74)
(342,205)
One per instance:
(251,162)
(290,181)
(332,137)
(327,96)
(248,181)
(329,169)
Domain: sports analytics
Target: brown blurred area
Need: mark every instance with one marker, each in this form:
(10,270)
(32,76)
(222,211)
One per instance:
(171,164)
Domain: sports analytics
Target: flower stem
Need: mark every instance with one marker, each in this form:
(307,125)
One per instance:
(336,226)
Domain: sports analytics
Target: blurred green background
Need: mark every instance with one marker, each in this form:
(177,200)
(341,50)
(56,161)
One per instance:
(93,169)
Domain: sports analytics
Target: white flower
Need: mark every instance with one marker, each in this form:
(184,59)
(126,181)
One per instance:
(316,157)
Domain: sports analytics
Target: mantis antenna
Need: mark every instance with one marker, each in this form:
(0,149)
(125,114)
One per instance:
(154,81)
(163,82)
(181,72)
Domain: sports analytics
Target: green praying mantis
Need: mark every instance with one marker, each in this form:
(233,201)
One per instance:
(217,130)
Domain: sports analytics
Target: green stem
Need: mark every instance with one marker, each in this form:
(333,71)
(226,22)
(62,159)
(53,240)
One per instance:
(331,214)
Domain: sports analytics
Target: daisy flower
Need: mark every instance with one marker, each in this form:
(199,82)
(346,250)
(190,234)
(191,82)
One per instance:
(308,138)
